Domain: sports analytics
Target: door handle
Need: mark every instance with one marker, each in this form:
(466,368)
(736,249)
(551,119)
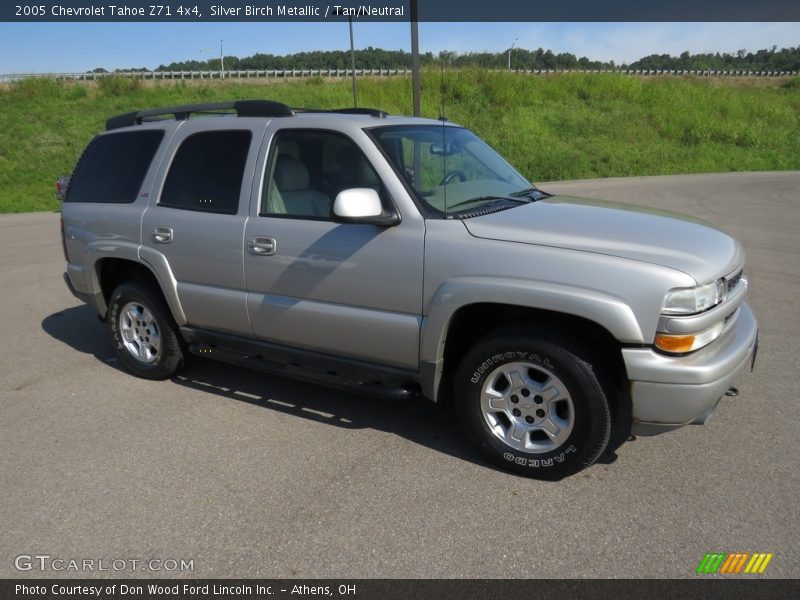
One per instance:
(262,246)
(162,235)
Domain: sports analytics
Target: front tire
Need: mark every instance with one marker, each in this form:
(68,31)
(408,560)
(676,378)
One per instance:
(143,332)
(532,404)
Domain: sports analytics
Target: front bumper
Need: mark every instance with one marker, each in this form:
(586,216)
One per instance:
(669,392)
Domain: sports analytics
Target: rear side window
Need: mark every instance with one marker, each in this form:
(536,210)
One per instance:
(113,167)
(207,172)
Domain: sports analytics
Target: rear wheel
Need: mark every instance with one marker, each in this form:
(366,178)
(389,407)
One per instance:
(144,334)
(532,404)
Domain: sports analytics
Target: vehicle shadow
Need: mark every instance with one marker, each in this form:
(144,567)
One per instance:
(79,328)
(418,420)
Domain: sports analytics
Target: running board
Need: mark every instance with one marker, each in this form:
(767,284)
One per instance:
(295,371)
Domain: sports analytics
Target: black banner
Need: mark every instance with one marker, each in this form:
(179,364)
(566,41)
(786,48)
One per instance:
(401,589)
(399,10)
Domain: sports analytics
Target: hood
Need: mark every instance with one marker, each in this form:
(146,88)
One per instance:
(638,233)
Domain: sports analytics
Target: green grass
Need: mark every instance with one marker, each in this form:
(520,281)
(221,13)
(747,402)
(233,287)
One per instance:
(558,127)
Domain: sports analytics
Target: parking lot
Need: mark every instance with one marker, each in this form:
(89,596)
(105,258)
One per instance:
(253,476)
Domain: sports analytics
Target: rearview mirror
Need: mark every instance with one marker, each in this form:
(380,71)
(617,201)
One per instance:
(361,205)
(441,149)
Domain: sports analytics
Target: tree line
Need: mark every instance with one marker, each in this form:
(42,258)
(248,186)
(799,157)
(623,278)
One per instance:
(785,59)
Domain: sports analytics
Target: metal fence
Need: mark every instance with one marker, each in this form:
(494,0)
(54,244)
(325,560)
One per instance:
(299,73)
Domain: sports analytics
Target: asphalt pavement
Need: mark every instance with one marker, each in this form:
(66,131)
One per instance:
(249,475)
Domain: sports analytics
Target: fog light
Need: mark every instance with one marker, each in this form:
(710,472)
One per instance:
(680,344)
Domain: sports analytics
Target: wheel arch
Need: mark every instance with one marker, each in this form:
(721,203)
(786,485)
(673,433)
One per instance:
(459,316)
(473,322)
(111,271)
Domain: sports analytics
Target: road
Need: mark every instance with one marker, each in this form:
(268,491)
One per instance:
(254,476)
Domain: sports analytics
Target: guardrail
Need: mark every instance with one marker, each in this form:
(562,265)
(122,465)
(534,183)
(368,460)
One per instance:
(228,74)
(299,73)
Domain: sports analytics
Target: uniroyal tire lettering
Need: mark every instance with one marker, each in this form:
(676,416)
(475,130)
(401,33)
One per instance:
(485,365)
(535,463)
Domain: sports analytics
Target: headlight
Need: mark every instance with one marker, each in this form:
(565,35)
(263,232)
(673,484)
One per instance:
(688,301)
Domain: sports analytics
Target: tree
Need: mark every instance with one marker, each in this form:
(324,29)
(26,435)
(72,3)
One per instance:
(785,59)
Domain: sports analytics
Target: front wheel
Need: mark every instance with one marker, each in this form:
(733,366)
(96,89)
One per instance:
(532,405)
(143,332)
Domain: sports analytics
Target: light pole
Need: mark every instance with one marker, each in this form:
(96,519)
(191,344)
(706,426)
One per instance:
(415,78)
(509,53)
(222,62)
(353,61)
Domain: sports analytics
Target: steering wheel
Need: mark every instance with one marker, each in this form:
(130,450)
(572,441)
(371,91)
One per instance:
(448,179)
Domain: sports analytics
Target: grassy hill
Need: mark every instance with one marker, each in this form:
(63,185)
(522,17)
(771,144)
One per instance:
(556,127)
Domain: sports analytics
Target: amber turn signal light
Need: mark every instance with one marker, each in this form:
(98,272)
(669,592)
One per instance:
(680,344)
(674,343)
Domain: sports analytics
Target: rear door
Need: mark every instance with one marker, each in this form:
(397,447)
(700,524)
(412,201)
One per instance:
(197,218)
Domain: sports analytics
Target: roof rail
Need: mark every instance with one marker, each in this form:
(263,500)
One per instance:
(243,108)
(372,112)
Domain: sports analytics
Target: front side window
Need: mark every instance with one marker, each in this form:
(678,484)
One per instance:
(308,168)
(206,173)
(449,168)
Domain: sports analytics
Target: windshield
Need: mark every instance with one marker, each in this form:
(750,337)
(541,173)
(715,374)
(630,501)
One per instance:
(450,168)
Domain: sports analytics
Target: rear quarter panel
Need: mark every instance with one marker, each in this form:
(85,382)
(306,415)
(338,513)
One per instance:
(95,230)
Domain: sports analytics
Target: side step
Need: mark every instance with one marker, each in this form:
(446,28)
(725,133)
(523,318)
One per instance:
(295,371)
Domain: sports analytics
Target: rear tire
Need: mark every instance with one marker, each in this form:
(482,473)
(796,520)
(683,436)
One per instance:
(143,332)
(532,404)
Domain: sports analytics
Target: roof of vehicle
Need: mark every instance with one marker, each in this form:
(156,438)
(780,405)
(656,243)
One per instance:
(362,117)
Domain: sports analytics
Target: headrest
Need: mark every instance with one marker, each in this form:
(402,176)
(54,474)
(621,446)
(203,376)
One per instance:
(290,174)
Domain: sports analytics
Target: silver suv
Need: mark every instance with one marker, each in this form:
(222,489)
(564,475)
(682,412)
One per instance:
(402,256)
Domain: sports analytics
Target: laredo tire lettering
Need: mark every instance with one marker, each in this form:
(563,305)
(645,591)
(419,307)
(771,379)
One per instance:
(532,462)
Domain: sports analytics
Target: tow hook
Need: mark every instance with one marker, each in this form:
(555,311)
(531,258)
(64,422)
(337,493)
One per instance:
(732,392)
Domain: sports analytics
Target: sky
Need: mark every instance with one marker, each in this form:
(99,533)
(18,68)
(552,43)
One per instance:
(76,47)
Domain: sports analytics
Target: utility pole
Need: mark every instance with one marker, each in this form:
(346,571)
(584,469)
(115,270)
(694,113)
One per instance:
(353,61)
(221,61)
(415,77)
(509,53)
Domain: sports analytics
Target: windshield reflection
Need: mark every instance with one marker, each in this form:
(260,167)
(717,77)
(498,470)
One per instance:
(449,167)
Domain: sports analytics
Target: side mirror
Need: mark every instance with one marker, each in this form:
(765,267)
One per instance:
(361,205)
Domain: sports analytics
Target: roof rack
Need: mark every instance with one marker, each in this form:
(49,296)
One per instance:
(243,108)
(372,112)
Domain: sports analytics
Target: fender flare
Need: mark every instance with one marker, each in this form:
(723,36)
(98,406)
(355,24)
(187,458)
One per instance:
(606,310)
(150,259)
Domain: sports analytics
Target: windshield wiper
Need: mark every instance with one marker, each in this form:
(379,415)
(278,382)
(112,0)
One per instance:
(530,192)
(484,199)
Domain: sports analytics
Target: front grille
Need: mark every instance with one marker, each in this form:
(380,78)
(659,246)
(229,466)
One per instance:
(733,280)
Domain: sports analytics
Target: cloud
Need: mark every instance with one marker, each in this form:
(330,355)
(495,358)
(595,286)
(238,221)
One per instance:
(625,42)
(620,42)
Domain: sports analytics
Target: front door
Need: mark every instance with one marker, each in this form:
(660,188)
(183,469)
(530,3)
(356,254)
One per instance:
(352,290)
